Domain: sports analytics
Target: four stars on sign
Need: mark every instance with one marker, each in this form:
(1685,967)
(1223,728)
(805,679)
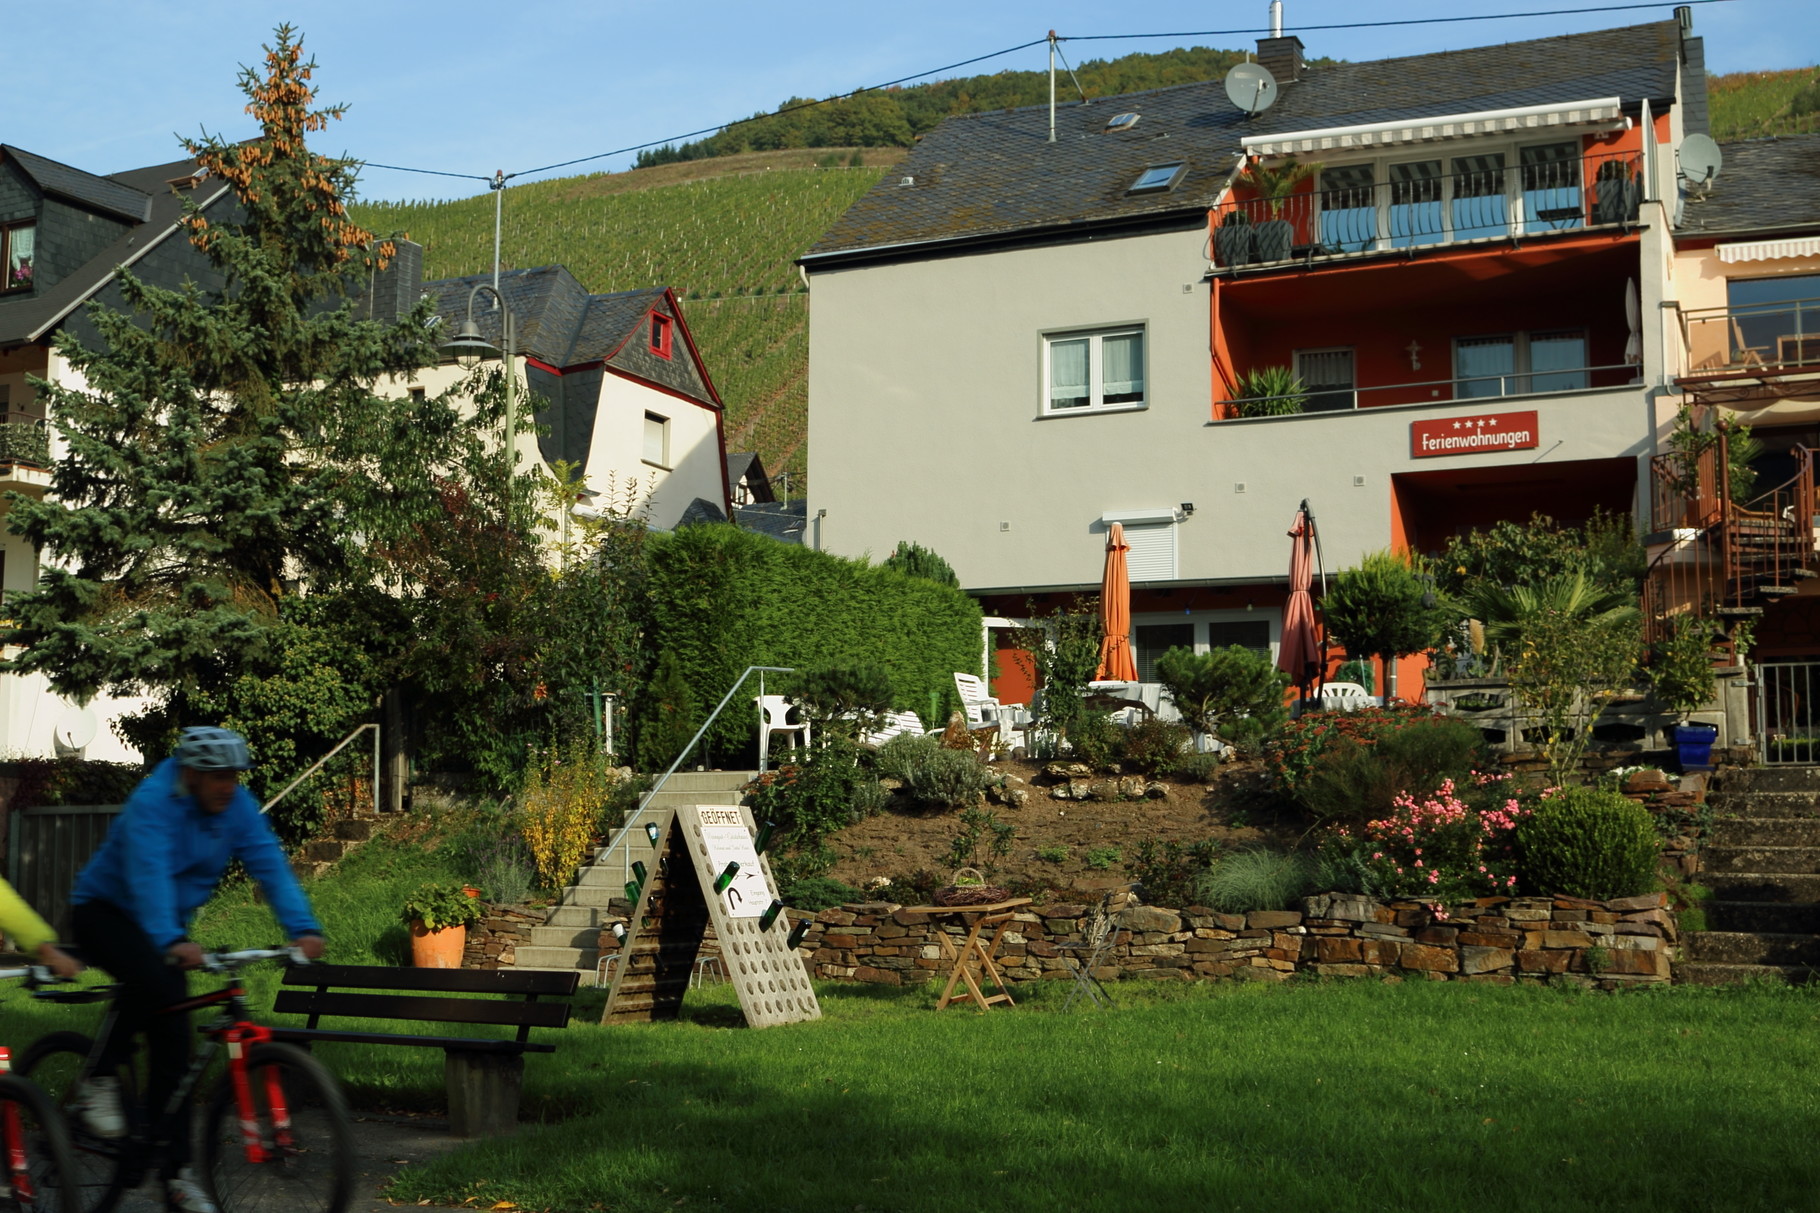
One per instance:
(1479,423)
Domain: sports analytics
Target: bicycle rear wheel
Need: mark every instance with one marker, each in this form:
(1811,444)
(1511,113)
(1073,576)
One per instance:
(101,1167)
(301,1120)
(34,1152)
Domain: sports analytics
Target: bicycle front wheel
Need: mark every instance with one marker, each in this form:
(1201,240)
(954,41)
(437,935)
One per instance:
(104,1167)
(297,1148)
(35,1150)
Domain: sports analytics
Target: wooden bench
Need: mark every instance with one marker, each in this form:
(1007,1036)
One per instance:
(485,1075)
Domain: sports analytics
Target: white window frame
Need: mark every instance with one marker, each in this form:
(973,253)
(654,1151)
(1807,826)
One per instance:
(644,439)
(1446,151)
(1095,373)
(1271,617)
(1523,374)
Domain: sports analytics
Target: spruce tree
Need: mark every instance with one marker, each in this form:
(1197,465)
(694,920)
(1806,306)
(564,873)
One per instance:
(226,449)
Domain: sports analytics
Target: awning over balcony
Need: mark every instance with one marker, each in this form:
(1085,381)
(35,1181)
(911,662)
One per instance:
(1603,112)
(1769,250)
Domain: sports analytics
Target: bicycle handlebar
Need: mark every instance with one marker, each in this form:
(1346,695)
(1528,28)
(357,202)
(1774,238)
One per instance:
(35,976)
(227,962)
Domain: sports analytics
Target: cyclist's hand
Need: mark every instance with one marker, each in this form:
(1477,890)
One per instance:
(59,962)
(309,945)
(185,955)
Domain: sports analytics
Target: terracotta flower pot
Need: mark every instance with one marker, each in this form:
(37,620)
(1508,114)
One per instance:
(440,949)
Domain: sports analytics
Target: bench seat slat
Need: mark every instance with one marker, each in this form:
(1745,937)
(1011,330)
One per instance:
(415,1006)
(441,981)
(459,1044)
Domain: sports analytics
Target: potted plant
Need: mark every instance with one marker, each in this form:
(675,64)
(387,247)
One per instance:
(1270,391)
(1273,239)
(439,915)
(1681,675)
(1232,240)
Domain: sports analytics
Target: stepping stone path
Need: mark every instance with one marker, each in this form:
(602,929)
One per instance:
(1763,866)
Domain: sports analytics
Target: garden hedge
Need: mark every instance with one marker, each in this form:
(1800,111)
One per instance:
(723,599)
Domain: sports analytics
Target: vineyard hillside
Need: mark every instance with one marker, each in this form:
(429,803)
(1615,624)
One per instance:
(725,233)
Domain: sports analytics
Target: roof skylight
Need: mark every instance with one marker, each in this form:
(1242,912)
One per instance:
(1157,177)
(1121,122)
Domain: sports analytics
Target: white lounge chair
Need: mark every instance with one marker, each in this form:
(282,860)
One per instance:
(981,708)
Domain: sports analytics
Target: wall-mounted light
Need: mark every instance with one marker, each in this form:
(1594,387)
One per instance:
(1187,509)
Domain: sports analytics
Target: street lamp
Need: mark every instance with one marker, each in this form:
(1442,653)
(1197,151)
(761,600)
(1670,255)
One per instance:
(468,343)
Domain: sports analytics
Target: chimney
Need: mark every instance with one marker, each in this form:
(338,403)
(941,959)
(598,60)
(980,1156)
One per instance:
(395,289)
(1282,57)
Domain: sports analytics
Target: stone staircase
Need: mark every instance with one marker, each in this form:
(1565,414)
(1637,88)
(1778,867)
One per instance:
(568,938)
(1763,866)
(320,854)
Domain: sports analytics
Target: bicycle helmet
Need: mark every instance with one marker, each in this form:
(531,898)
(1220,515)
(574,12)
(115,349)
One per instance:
(205,748)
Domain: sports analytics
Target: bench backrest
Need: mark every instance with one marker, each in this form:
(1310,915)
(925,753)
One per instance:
(410,995)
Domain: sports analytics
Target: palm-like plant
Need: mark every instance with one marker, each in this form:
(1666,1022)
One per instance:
(1270,391)
(1274,185)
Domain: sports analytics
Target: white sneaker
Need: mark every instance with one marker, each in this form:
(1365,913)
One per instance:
(183,1193)
(98,1105)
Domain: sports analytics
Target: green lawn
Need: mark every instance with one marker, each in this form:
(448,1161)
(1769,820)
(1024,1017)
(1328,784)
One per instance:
(1427,1097)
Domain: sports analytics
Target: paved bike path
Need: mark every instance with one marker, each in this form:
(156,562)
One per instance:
(387,1145)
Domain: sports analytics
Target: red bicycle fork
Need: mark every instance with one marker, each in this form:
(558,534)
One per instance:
(238,1038)
(18,1166)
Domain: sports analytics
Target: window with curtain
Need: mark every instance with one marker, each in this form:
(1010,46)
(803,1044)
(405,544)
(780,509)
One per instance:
(18,246)
(1088,371)
(1415,203)
(1484,366)
(1349,208)
(1479,205)
(657,440)
(1516,364)
(1557,361)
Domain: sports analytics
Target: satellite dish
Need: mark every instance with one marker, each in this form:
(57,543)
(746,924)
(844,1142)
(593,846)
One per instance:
(1701,159)
(76,728)
(1251,87)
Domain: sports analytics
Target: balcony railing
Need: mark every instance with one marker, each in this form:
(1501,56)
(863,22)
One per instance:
(23,440)
(1350,215)
(1467,389)
(1756,337)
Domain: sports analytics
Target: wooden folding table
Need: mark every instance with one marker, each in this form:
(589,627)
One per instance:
(973,960)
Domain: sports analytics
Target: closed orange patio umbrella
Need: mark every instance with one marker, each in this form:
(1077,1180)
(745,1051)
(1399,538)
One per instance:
(1116,664)
(1301,655)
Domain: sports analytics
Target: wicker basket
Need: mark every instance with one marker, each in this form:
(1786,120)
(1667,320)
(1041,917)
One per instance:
(969,888)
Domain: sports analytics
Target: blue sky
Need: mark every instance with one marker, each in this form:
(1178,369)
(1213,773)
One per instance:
(471,87)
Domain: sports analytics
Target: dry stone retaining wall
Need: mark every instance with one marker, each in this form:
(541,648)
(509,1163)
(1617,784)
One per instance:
(493,942)
(1497,940)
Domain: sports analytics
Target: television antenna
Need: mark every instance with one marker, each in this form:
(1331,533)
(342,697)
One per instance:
(1701,161)
(1251,88)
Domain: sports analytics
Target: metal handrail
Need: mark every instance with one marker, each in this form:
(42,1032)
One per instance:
(1308,393)
(645,801)
(317,765)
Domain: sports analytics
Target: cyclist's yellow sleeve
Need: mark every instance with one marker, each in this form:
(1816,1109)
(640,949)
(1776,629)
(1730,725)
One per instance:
(22,922)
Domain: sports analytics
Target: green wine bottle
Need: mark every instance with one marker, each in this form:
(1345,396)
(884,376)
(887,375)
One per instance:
(632,891)
(726,877)
(652,832)
(770,915)
(764,836)
(638,871)
(796,934)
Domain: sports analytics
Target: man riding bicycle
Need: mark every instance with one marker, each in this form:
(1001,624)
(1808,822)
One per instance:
(130,914)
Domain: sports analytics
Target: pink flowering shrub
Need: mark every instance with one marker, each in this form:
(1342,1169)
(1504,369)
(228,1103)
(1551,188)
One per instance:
(1454,844)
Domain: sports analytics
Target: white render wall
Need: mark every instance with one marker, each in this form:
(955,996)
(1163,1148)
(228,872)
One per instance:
(925,423)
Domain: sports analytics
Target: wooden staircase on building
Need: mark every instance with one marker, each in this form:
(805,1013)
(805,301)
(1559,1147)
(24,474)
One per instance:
(1763,867)
(568,939)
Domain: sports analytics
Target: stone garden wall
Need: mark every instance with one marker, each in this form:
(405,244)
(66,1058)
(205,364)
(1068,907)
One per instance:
(1498,940)
(493,942)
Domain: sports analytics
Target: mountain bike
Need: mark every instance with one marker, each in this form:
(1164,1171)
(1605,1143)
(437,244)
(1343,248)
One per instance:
(276,1133)
(34,1142)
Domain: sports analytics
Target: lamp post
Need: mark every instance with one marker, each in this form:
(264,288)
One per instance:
(468,342)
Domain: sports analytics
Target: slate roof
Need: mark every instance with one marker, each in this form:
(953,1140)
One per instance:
(97,193)
(559,323)
(746,465)
(981,176)
(1765,184)
(784,521)
(700,510)
(23,320)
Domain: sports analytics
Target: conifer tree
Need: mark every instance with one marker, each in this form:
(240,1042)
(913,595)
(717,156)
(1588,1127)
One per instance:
(226,450)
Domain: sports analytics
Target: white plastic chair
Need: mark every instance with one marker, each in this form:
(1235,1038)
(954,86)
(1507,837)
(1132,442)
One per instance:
(1345,697)
(895,724)
(774,717)
(981,708)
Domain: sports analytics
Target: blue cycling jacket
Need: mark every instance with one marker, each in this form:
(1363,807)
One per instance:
(164,856)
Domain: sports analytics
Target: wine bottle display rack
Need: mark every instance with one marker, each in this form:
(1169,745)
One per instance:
(673,910)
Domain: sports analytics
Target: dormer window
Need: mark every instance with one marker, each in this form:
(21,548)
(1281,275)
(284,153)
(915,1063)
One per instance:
(660,334)
(17,244)
(1158,178)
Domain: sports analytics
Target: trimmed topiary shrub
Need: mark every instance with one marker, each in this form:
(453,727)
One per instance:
(1587,842)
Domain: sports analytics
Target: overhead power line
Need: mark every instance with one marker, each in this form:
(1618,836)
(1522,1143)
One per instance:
(498,180)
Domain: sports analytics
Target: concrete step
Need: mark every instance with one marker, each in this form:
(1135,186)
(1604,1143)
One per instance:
(1753,948)
(611,899)
(1763,886)
(1775,917)
(1779,860)
(574,916)
(1772,779)
(1702,973)
(565,937)
(707,781)
(324,850)
(1766,832)
(670,798)
(1751,805)
(355,829)
(534,957)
